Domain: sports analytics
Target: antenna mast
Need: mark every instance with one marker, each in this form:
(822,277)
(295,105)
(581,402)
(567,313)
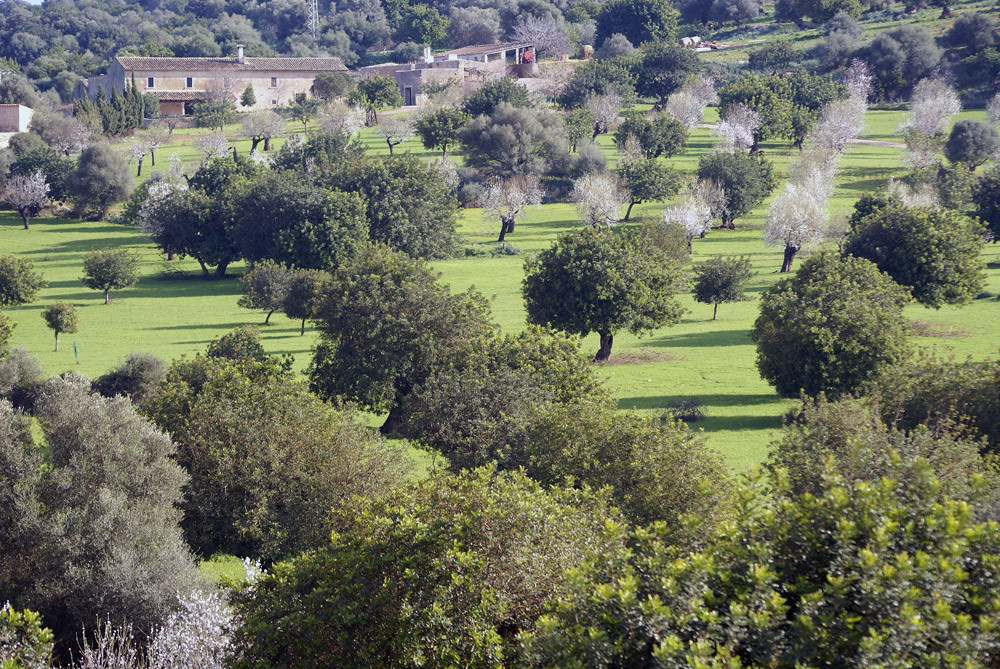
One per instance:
(314,17)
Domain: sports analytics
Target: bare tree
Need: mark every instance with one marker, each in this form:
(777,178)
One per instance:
(27,194)
(795,219)
(605,109)
(66,135)
(395,130)
(506,199)
(546,33)
(262,126)
(993,109)
(342,117)
(599,198)
(737,129)
(212,145)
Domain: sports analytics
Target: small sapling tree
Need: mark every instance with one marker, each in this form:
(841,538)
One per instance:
(722,280)
(60,317)
(110,269)
(265,287)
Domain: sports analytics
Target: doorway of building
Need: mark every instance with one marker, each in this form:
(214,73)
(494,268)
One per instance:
(408,96)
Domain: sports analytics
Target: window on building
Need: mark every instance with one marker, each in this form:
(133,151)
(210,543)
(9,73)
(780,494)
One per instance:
(274,82)
(189,82)
(149,82)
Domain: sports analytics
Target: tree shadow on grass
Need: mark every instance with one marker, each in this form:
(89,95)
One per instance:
(705,401)
(199,326)
(737,423)
(83,245)
(702,339)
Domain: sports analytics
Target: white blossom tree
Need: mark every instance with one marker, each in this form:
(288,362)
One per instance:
(395,130)
(703,202)
(737,128)
(605,109)
(449,172)
(796,218)
(66,136)
(506,199)
(546,33)
(993,109)
(198,634)
(213,145)
(262,126)
(934,102)
(599,198)
(839,122)
(27,194)
(859,80)
(924,195)
(687,105)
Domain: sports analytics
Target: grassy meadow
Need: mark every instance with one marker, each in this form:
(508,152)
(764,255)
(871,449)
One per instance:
(173,312)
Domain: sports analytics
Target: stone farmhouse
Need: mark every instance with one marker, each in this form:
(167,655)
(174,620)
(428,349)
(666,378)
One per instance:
(516,59)
(180,82)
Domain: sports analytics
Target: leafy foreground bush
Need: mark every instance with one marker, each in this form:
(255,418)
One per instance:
(861,573)
(444,575)
(267,459)
(91,524)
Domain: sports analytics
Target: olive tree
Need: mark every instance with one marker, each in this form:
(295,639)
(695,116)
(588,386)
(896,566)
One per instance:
(972,142)
(106,467)
(101,179)
(262,126)
(595,281)
(833,327)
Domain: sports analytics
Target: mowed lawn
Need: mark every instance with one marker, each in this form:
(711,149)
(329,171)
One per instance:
(712,361)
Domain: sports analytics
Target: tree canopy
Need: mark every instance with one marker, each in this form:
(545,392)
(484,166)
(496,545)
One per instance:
(833,327)
(592,281)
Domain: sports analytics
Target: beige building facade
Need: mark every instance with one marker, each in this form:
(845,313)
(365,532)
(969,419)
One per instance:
(179,82)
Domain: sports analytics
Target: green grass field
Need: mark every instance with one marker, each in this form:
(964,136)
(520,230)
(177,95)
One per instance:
(698,358)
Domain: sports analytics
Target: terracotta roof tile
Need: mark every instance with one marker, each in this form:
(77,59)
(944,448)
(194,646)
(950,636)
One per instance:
(155,63)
